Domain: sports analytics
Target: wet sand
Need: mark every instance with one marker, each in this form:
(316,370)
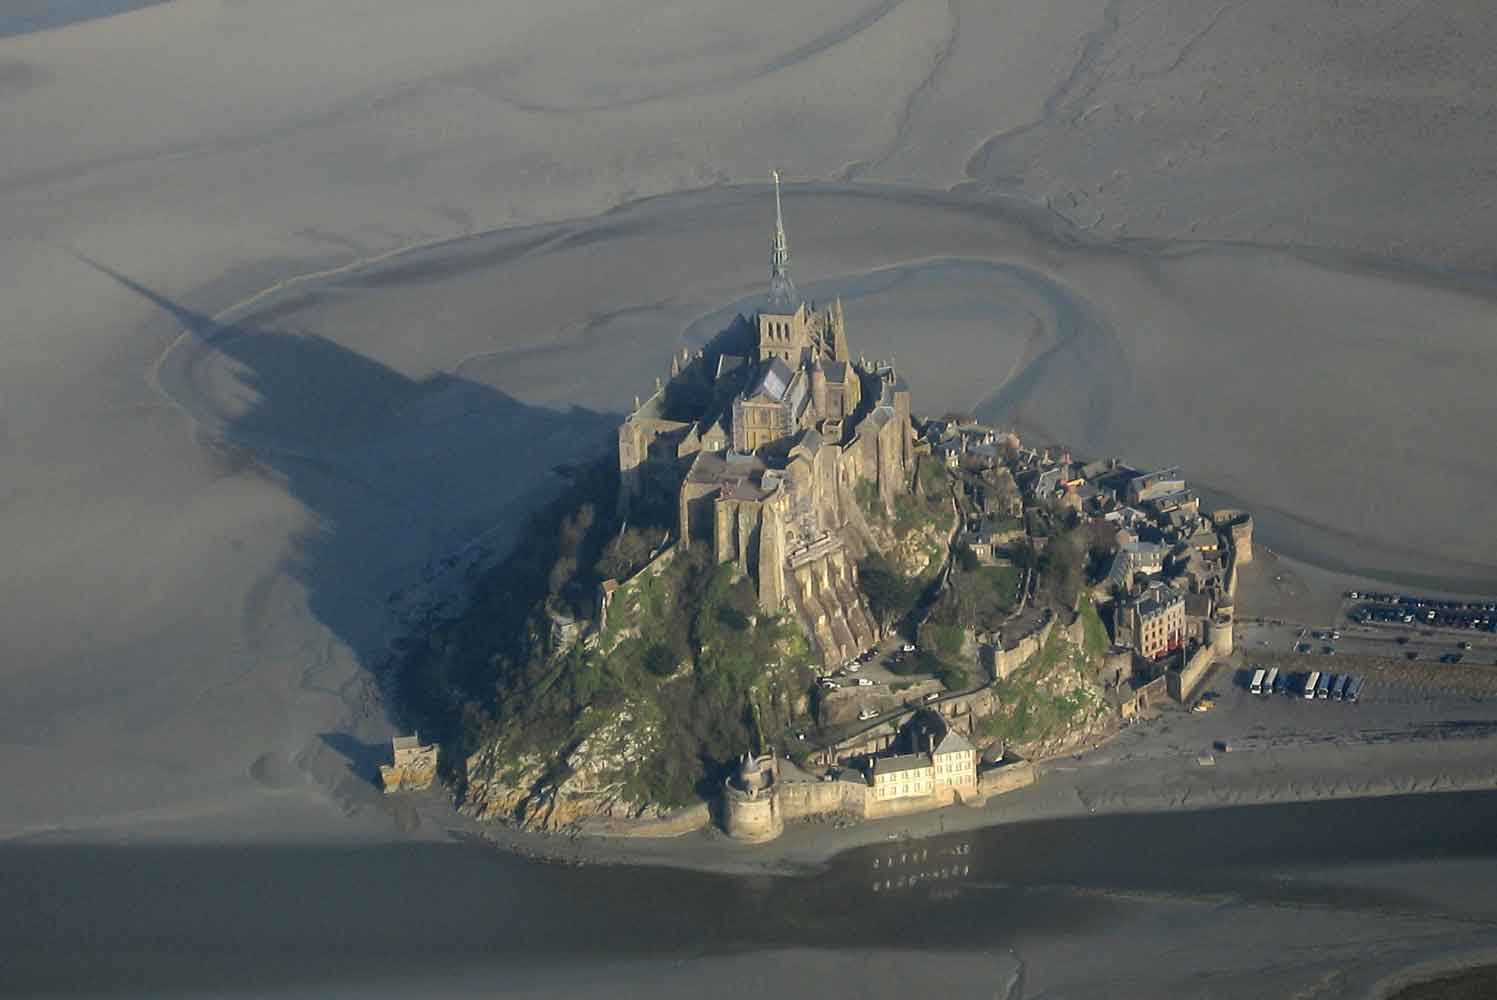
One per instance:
(297,330)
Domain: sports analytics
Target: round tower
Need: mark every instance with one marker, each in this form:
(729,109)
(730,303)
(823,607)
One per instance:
(751,807)
(1219,631)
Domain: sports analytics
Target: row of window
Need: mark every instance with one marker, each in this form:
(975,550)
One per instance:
(893,791)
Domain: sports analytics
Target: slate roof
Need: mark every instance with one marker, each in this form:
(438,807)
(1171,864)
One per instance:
(773,382)
(901,763)
(952,742)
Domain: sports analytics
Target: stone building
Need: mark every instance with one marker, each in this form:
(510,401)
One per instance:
(757,803)
(766,451)
(413,764)
(954,764)
(1153,623)
(905,775)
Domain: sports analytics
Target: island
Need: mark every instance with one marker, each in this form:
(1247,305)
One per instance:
(793,597)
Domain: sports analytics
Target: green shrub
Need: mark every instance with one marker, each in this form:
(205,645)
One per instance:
(954,678)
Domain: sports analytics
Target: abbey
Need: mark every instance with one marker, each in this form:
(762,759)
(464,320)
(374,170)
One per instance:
(766,448)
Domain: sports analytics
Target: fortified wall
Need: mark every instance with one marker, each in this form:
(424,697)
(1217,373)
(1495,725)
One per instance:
(1238,526)
(751,820)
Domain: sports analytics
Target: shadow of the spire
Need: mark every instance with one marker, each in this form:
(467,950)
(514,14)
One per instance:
(409,485)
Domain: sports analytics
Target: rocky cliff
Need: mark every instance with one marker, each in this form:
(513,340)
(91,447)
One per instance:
(555,791)
(1054,701)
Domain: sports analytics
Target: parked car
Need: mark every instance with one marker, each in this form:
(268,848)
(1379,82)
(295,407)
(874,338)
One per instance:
(908,647)
(867,714)
(864,682)
(933,696)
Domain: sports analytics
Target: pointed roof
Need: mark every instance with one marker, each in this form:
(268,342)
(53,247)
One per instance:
(783,297)
(952,742)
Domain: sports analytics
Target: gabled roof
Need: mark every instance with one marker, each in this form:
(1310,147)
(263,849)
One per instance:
(773,381)
(952,742)
(902,762)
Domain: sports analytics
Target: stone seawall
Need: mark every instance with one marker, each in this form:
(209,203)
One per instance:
(1007,778)
(800,799)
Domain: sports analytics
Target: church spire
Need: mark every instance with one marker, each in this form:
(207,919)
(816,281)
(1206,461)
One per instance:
(782,297)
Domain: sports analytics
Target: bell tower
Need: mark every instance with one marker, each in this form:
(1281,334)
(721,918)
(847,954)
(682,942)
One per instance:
(783,329)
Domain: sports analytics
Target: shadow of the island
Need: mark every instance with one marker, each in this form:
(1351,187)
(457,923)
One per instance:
(411,486)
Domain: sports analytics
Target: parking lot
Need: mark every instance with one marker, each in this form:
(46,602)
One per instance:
(1430,645)
(1386,712)
(1414,610)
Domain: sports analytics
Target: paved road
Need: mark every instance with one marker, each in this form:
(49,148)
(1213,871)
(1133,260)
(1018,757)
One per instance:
(1428,645)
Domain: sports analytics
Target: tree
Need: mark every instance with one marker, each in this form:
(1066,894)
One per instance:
(659,660)
(1060,566)
(625,554)
(890,596)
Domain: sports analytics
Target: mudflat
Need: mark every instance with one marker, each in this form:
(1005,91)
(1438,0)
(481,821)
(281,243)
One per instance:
(299,321)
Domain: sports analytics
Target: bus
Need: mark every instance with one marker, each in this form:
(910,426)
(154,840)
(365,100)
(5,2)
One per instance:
(1355,691)
(1257,686)
(1311,682)
(1341,687)
(1323,689)
(1271,684)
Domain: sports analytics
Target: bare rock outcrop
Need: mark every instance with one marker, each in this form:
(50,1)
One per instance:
(596,778)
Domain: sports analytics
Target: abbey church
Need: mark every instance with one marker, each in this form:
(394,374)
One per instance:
(766,446)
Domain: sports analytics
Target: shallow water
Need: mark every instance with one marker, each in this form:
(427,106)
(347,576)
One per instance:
(438,918)
(22,17)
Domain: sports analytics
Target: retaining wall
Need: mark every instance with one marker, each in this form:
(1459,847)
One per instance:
(1006,661)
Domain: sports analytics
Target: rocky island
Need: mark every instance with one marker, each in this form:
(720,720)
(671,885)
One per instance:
(792,597)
